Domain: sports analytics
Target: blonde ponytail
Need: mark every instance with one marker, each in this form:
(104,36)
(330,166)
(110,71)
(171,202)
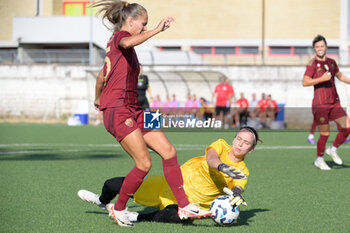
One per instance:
(116,11)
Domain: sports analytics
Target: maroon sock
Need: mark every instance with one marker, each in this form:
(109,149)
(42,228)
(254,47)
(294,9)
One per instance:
(341,137)
(131,183)
(321,145)
(173,176)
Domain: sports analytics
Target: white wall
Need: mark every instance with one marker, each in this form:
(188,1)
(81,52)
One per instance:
(59,29)
(48,90)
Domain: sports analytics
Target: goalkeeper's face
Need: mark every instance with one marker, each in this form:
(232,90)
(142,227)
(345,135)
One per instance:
(243,143)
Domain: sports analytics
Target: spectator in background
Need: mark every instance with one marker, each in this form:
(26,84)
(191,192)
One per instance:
(206,110)
(222,95)
(196,102)
(174,105)
(231,90)
(262,104)
(253,110)
(241,112)
(156,103)
(196,105)
(271,109)
(166,106)
(142,87)
(188,106)
(189,103)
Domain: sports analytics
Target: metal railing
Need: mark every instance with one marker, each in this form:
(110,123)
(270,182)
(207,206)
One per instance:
(81,56)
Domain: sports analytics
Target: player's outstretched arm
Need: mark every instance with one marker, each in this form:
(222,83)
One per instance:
(131,41)
(214,162)
(342,77)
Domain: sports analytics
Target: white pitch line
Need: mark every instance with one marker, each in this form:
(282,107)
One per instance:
(40,151)
(179,147)
(68,145)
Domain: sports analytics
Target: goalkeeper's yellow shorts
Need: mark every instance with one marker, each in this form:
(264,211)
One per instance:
(154,191)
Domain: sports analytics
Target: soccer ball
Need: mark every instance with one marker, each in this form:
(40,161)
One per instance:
(222,212)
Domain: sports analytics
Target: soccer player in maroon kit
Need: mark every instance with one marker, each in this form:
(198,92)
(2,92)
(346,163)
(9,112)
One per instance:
(116,96)
(320,73)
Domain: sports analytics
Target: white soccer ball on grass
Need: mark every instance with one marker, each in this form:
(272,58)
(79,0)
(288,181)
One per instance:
(222,212)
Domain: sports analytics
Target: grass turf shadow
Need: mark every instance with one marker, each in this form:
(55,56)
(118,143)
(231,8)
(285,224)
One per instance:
(245,216)
(243,220)
(333,165)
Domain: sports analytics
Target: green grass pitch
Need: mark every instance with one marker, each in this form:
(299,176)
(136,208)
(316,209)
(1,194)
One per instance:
(43,166)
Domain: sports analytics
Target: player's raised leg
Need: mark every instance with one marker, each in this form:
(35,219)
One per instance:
(157,141)
(344,130)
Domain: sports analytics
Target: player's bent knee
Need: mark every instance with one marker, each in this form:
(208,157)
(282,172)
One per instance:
(171,152)
(108,184)
(144,164)
(346,131)
(113,184)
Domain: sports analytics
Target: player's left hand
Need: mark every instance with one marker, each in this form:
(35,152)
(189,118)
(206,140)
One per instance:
(235,198)
(97,103)
(232,172)
(165,23)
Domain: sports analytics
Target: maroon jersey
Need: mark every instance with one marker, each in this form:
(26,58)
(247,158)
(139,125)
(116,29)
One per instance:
(120,70)
(325,92)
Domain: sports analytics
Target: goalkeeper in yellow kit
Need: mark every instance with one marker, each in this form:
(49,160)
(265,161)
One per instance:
(205,178)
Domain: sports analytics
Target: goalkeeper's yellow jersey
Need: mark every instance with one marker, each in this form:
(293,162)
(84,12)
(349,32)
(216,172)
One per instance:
(202,183)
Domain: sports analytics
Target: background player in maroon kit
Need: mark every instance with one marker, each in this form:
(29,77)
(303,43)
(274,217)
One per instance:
(116,96)
(326,106)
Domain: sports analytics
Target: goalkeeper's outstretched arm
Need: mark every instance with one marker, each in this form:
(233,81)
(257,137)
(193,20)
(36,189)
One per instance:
(213,158)
(214,162)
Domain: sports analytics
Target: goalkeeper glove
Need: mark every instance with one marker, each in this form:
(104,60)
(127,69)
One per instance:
(232,172)
(235,198)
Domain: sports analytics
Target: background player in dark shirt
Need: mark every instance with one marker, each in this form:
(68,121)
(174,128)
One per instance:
(142,87)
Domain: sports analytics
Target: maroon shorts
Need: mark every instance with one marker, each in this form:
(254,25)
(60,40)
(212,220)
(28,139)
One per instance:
(121,121)
(327,112)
